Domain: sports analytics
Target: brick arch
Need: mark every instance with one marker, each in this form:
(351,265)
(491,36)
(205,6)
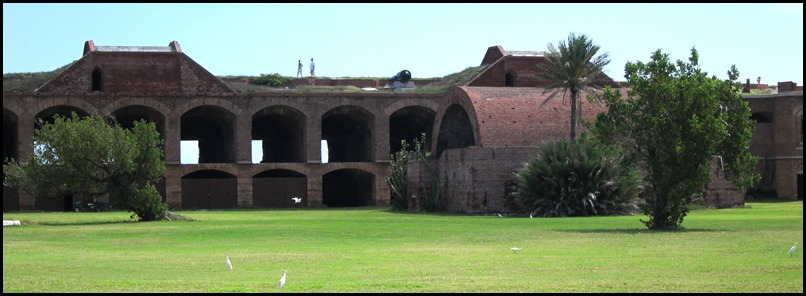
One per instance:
(15,109)
(64,101)
(298,106)
(456,96)
(216,129)
(276,187)
(349,186)
(198,102)
(11,125)
(349,106)
(217,188)
(371,169)
(397,105)
(282,130)
(188,169)
(408,123)
(295,167)
(343,127)
(126,102)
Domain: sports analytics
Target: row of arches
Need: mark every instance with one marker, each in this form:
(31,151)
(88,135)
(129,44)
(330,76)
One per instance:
(216,189)
(290,137)
(282,130)
(213,189)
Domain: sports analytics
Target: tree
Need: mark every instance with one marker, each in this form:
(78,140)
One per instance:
(86,157)
(573,67)
(674,122)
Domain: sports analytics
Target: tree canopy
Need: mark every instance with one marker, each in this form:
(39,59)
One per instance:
(87,158)
(674,123)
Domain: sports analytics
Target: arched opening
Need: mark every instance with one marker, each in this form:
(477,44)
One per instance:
(97,80)
(281,132)
(276,188)
(214,129)
(408,124)
(11,196)
(347,188)
(348,132)
(510,80)
(209,189)
(126,117)
(455,130)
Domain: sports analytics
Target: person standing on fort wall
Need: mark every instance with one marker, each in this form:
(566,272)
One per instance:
(299,68)
(313,67)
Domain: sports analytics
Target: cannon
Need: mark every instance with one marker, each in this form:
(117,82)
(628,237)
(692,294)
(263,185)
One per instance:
(402,76)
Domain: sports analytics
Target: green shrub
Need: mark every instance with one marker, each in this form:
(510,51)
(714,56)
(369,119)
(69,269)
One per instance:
(398,180)
(274,79)
(430,195)
(146,202)
(583,178)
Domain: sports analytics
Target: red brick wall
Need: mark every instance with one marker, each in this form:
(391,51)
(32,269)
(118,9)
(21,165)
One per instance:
(476,180)
(722,193)
(164,73)
(779,144)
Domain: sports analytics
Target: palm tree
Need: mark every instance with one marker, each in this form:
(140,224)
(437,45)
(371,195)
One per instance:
(571,67)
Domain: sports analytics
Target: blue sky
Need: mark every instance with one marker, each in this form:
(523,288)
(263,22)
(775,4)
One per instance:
(430,40)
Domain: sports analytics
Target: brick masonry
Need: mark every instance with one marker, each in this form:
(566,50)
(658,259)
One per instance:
(482,131)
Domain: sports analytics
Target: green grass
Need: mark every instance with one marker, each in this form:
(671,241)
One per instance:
(375,250)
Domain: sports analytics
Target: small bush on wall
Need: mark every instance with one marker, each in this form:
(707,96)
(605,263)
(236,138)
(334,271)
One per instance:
(274,79)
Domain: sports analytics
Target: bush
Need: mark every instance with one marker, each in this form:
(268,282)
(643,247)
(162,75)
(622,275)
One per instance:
(274,79)
(398,180)
(146,202)
(430,196)
(584,178)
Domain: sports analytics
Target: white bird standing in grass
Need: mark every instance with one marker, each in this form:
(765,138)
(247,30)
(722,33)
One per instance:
(229,264)
(297,199)
(515,249)
(499,215)
(530,216)
(282,280)
(792,249)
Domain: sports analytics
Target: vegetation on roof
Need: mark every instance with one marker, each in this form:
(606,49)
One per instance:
(245,84)
(29,82)
(455,79)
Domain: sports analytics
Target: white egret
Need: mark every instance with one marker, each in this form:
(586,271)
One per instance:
(297,199)
(515,249)
(530,216)
(499,215)
(792,249)
(229,264)
(282,280)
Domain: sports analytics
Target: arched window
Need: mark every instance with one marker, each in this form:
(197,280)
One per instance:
(510,80)
(97,80)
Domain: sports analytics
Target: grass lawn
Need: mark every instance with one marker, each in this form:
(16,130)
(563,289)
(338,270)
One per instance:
(375,250)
